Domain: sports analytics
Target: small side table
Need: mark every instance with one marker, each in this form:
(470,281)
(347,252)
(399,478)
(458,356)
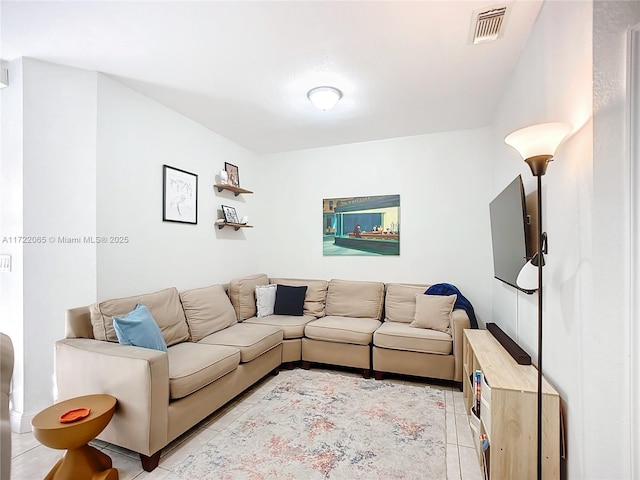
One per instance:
(81,461)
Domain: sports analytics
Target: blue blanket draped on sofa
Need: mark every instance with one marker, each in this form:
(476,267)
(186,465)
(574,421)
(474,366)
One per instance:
(447,289)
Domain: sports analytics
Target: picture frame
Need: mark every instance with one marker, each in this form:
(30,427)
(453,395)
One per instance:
(233,174)
(361,225)
(230,215)
(179,195)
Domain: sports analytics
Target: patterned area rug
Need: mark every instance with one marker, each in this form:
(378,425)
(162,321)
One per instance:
(326,425)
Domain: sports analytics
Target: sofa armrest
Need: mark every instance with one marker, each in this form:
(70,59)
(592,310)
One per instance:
(137,377)
(460,322)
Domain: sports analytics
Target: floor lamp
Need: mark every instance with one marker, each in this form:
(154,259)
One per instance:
(537,145)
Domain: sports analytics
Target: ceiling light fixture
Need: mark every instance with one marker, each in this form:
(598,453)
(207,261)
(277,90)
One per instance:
(324,98)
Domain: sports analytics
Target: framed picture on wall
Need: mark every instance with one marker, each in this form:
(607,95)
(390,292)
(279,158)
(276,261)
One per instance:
(230,215)
(232,172)
(179,195)
(361,225)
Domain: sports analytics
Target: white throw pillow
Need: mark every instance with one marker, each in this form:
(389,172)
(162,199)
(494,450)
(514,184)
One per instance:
(265,299)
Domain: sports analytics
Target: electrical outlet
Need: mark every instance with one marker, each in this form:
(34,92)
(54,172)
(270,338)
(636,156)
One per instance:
(5,263)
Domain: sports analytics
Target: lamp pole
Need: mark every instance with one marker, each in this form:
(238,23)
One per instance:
(538,166)
(540,262)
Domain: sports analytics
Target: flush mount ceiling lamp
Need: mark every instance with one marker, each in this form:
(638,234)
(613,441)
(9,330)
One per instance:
(324,98)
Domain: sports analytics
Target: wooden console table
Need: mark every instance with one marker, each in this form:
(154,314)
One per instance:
(508,411)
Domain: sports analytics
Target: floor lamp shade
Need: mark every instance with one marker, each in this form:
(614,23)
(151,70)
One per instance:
(538,140)
(528,276)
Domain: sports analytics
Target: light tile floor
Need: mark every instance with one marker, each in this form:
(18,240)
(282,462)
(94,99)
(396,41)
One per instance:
(30,460)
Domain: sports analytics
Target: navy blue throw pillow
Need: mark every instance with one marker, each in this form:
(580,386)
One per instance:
(289,300)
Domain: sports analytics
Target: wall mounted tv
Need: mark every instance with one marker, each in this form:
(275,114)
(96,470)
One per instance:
(509,232)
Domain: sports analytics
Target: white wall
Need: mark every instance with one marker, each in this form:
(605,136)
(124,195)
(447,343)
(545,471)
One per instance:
(610,346)
(136,136)
(55,197)
(585,208)
(11,298)
(444,186)
(634,59)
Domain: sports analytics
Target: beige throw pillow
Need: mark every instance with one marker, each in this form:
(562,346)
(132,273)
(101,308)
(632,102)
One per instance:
(433,311)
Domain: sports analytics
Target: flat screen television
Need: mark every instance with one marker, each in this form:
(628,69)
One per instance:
(509,232)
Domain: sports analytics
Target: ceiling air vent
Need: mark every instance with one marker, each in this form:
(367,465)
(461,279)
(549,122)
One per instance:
(488,24)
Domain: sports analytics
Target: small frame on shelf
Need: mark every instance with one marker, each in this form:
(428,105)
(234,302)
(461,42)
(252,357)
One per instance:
(230,215)
(233,174)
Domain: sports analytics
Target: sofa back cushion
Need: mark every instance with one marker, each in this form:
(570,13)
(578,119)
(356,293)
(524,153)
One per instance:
(208,310)
(242,292)
(315,297)
(400,302)
(164,305)
(347,298)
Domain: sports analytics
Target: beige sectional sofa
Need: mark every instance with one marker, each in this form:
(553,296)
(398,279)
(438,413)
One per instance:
(217,347)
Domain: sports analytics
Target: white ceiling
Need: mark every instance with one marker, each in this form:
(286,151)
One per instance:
(243,69)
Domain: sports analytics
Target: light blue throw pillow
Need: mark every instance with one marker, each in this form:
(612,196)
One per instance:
(139,328)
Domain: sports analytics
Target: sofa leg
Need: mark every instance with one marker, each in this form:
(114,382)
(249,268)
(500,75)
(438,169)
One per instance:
(150,463)
(366,373)
(287,365)
(305,365)
(378,375)
(276,371)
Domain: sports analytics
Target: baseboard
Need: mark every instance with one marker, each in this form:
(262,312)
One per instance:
(20,423)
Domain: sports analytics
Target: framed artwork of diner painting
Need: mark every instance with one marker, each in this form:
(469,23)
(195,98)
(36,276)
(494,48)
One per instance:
(361,225)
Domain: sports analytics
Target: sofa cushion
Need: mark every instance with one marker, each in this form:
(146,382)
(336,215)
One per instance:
(434,312)
(139,328)
(207,310)
(290,300)
(342,329)
(252,340)
(315,297)
(400,301)
(292,326)
(346,298)
(401,336)
(196,365)
(164,305)
(242,292)
(265,299)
